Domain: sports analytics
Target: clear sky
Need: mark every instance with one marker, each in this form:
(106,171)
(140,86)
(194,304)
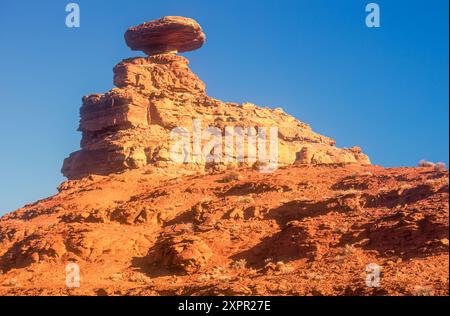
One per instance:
(383,89)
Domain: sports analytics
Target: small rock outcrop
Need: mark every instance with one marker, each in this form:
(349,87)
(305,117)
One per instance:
(130,126)
(182,252)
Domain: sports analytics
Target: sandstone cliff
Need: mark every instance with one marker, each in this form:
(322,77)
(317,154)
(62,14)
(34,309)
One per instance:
(129,126)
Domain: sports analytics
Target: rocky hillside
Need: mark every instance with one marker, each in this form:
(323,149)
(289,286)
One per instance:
(137,223)
(303,230)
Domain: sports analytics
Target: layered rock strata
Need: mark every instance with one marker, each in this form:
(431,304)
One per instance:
(130,126)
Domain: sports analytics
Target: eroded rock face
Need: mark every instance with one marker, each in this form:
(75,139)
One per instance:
(168,34)
(130,126)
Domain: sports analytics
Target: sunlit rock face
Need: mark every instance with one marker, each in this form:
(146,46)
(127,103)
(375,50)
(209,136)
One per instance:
(168,34)
(129,126)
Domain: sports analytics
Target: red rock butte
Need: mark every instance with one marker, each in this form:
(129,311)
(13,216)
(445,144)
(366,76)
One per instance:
(129,126)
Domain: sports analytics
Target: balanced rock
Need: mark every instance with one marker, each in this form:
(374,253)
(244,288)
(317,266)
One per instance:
(131,125)
(168,34)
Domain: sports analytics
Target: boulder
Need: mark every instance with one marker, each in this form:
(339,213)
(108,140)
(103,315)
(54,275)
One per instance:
(168,34)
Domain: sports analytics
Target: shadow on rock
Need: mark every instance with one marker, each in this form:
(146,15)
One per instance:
(402,235)
(294,242)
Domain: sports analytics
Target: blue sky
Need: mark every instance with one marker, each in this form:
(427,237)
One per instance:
(383,89)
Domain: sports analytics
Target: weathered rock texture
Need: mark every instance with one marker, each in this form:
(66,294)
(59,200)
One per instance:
(309,228)
(168,34)
(306,229)
(129,126)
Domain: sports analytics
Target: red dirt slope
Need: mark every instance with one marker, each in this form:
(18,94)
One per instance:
(303,230)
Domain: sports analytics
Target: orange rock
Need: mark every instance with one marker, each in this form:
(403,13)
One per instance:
(129,127)
(114,224)
(168,34)
(310,228)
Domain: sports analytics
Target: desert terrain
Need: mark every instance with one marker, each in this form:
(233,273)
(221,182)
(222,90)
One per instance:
(137,223)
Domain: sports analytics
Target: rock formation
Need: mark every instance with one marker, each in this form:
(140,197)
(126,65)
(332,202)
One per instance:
(129,126)
(313,227)
(168,34)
